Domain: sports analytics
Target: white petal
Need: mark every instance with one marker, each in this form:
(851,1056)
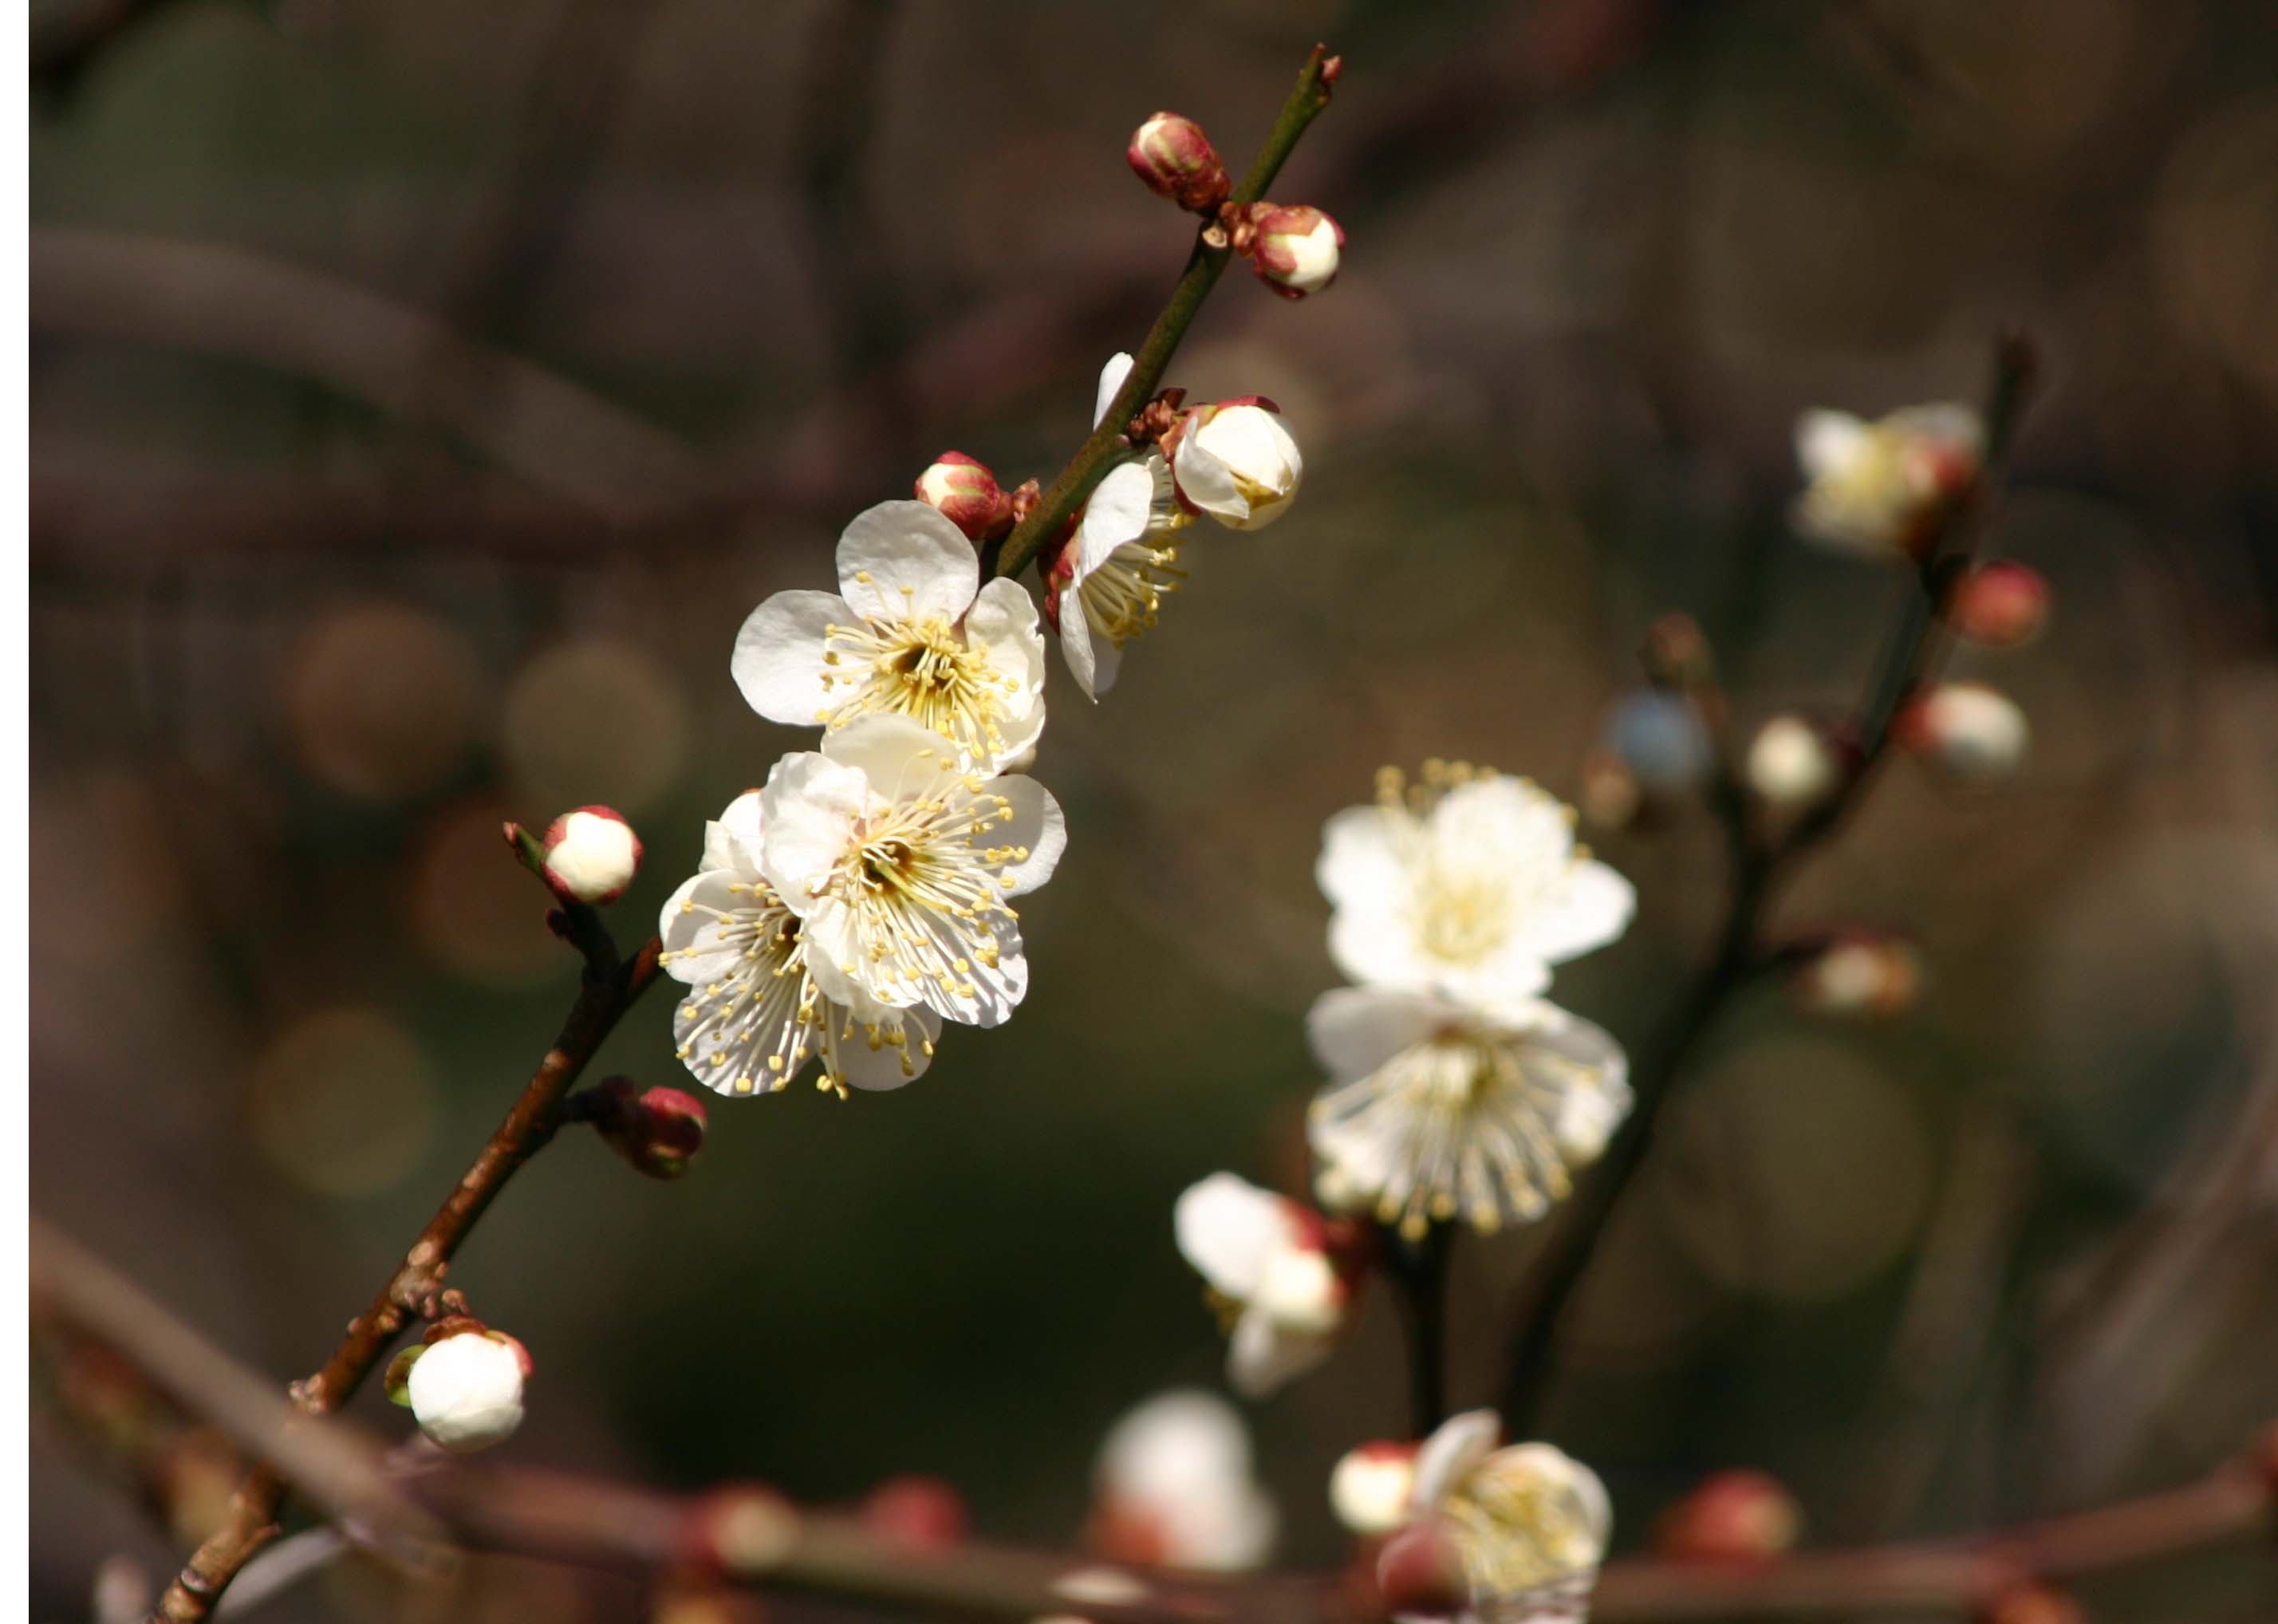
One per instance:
(688,933)
(1592,908)
(1378,949)
(1505,983)
(778,665)
(732,840)
(900,758)
(1038,824)
(1076,647)
(890,1065)
(1263,1356)
(1827,442)
(1118,513)
(1503,823)
(1205,481)
(832,958)
(1004,621)
(1947,422)
(810,804)
(1355,1030)
(1110,380)
(1106,659)
(904,561)
(1450,1453)
(1360,863)
(1227,1228)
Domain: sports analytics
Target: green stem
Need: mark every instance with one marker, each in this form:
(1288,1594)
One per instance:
(1091,463)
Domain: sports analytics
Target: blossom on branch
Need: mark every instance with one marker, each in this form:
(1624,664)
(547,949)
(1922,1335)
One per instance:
(1882,486)
(1235,462)
(592,854)
(1175,1486)
(464,1385)
(911,632)
(899,863)
(1468,885)
(1527,1523)
(1285,1276)
(754,1015)
(1437,1110)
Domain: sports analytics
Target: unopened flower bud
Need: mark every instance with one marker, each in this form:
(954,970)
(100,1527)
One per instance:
(1737,1518)
(1974,732)
(1370,1486)
(592,856)
(1295,248)
(1609,796)
(1860,973)
(1790,764)
(2027,1602)
(1176,160)
(2000,605)
(1235,462)
(659,1130)
(464,1386)
(1658,736)
(968,496)
(1419,1573)
(915,1512)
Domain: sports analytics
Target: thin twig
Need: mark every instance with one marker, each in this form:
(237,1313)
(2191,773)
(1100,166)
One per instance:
(1419,1268)
(1761,869)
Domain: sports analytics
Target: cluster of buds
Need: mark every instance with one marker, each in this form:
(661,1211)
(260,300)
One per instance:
(1283,1276)
(1292,248)
(463,1383)
(1735,1518)
(591,855)
(658,1131)
(963,490)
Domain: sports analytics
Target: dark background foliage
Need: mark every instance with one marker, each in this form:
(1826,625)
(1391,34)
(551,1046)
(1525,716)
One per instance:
(423,393)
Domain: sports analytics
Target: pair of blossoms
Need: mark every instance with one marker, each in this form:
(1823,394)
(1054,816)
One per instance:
(1459,1526)
(861,897)
(1458,1093)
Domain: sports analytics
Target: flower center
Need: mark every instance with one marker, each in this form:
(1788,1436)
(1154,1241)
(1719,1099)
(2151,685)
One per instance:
(1518,1531)
(1122,597)
(924,670)
(1461,918)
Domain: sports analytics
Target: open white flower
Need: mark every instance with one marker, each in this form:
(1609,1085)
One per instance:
(1468,885)
(753,1014)
(1277,1268)
(899,863)
(1435,1110)
(1175,1485)
(1874,487)
(1529,1523)
(911,631)
(1234,461)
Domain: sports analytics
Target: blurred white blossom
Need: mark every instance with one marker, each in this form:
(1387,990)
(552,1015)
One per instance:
(1174,1485)
(1275,1265)
(1234,461)
(1528,1522)
(1877,487)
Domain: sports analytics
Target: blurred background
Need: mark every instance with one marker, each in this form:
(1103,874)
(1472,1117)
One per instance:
(422,394)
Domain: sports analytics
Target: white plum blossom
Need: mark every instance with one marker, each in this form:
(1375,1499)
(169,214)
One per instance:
(1467,884)
(1876,486)
(1235,462)
(753,1015)
(1528,1522)
(465,1391)
(1436,1110)
(592,854)
(899,863)
(1373,1486)
(1175,1485)
(911,631)
(1274,1265)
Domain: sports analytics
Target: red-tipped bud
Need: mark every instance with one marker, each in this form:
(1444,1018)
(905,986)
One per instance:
(916,1513)
(2032,1604)
(2000,605)
(1740,1519)
(592,856)
(1295,248)
(1176,160)
(659,1130)
(1860,973)
(1419,1573)
(1970,731)
(968,496)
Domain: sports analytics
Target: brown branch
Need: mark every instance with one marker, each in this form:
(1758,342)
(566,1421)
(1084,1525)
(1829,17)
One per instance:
(1762,868)
(754,1538)
(609,988)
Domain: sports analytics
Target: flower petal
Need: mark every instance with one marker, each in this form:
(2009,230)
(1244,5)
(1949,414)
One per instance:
(1076,647)
(1450,1453)
(1590,909)
(1110,380)
(810,804)
(1004,623)
(1228,1228)
(1360,863)
(1121,507)
(1207,482)
(778,665)
(1355,1030)
(888,1063)
(1826,443)
(897,757)
(1035,824)
(1378,948)
(904,561)
(1264,1357)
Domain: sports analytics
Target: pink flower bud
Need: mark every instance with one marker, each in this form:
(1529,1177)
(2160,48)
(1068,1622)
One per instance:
(915,1512)
(1419,1573)
(968,496)
(1999,605)
(1738,1518)
(2030,1603)
(659,1130)
(592,856)
(1971,732)
(1176,160)
(1295,248)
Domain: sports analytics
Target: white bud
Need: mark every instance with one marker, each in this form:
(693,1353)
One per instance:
(592,856)
(1371,1487)
(1298,1290)
(1790,763)
(1975,733)
(466,1390)
(1236,463)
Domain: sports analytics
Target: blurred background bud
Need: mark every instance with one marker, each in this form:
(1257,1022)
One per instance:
(1790,764)
(1419,1573)
(2032,1603)
(1658,736)
(1999,605)
(916,1513)
(1859,973)
(1176,160)
(1295,248)
(1738,1518)
(1370,1487)
(967,493)
(1174,1485)
(1972,732)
